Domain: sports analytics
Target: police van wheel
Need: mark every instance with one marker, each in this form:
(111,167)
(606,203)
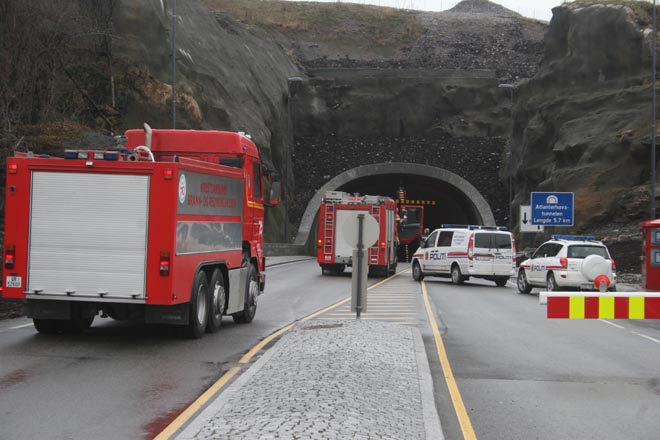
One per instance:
(251,292)
(198,311)
(523,285)
(456,275)
(417,273)
(501,282)
(217,299)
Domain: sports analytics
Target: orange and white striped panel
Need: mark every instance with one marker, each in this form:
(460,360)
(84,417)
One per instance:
(637,305)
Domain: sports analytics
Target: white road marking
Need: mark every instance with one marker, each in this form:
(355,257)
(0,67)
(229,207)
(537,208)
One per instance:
(611,323)
(646,337)
(21,326)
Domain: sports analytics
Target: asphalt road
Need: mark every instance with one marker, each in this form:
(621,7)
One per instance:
(126,380)
(522,376)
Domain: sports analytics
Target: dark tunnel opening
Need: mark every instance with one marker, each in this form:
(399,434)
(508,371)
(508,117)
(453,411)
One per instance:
(451,204)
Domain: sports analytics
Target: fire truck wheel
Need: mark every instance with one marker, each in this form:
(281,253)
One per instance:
(418,275)
(78,324)
(198,310)
(48,326)
(251,293)
(217,300)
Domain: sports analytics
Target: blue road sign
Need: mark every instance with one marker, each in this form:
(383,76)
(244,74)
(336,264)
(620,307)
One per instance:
(552,209)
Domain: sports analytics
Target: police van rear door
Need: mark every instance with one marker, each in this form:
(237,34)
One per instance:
(503,251)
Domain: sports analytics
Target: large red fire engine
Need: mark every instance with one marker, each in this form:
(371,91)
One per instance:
(411,229)
(168,229)
(335,253)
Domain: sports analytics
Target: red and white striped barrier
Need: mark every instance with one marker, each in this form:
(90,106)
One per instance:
(601,305)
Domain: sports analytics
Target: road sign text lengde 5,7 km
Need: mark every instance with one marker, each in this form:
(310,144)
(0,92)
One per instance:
(552,209)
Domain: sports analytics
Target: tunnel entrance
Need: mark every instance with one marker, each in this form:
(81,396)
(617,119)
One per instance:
(447,197)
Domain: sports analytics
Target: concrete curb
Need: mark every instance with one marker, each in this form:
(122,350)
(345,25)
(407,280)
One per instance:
(430,413)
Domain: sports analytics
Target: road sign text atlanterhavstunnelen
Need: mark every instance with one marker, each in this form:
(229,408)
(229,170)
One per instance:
(552,209)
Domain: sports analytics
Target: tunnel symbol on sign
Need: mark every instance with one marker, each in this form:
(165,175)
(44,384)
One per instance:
(552,200)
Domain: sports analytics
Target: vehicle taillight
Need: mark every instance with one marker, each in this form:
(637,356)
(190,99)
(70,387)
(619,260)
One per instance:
(613,265)
(10,256)
(513,248)
(471,247)
(168,174)
(564,262)
(164,263)
(12,168)
(319,242)
(382,244)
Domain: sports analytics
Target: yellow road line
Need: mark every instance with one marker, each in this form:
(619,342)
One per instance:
(457,400)
(196,405)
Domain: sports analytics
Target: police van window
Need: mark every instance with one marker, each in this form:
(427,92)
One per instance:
(483,240)
(257,180)
(553,249)
(430,242)
(540,252)
(502,241)
(445,238)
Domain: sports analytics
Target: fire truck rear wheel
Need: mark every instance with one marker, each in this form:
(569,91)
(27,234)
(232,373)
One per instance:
(217,299)
(251,293)
(198,310)
(48,326)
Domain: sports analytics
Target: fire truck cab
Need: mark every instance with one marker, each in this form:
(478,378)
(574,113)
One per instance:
(167,229)
(335,253)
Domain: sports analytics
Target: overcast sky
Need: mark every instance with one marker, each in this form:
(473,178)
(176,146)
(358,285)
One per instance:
(539,9)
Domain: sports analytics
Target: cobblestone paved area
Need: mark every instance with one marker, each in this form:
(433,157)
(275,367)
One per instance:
(329,380)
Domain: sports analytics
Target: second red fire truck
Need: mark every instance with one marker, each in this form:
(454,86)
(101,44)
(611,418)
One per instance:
(335,253)
(168,230)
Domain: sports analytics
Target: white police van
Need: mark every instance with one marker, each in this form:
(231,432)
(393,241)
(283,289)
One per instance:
(464,251)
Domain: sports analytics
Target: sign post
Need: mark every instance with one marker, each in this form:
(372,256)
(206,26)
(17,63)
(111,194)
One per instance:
(526,220)
(552,209)
(360,230)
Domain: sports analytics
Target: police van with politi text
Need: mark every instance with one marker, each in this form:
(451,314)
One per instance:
(462,251)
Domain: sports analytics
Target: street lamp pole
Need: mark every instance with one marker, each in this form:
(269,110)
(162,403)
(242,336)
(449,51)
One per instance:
(511,88)
(292,88)
(653,116)
(174,64)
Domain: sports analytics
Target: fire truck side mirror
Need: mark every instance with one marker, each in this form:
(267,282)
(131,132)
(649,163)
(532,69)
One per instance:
(275,193)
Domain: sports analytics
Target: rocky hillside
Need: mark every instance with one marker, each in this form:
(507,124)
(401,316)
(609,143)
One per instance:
(475,34)
(582,122)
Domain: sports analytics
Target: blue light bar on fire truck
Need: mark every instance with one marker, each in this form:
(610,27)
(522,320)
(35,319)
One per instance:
(96,155)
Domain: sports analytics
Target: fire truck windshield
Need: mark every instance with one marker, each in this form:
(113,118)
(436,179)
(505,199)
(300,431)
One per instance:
(412,222)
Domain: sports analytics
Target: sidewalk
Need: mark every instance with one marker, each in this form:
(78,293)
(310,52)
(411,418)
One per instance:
(343,379)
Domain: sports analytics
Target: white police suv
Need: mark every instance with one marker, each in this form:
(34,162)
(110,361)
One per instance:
(464,251)
(567,262)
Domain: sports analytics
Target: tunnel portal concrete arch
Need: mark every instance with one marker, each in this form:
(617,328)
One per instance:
(481,211)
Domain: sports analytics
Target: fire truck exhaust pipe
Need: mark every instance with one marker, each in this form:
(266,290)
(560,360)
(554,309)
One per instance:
(147,135)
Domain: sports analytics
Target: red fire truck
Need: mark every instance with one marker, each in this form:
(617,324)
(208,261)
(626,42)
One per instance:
(335,253)
(168,229)
(411,229)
